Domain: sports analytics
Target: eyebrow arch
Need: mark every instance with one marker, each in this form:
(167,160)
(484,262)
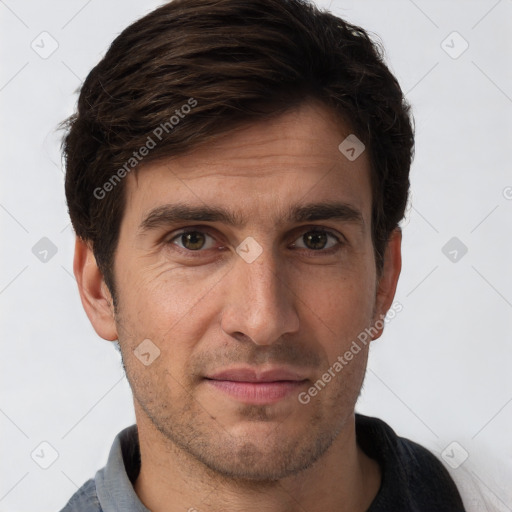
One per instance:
(169,214)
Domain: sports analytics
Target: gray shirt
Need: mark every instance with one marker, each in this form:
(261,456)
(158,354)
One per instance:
(413,479)
(111,490)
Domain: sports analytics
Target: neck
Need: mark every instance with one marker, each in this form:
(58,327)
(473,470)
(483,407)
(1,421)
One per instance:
(170,480)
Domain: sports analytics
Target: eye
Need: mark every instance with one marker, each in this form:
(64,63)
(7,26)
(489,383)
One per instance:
(191,240)
(318,240)
(313,240)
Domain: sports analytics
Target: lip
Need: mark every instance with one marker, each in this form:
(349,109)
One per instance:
(247,374)
(255,386)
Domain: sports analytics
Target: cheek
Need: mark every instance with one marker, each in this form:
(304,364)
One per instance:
(340,297)
(163,293)
(170,307)
(338,305)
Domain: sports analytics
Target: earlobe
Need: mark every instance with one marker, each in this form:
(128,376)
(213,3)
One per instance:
(95,296)
(387,283)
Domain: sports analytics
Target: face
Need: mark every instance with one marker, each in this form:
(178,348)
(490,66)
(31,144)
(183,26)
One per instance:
(248,303)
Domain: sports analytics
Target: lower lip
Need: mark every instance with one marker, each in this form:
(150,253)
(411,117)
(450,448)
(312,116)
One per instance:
(258,392)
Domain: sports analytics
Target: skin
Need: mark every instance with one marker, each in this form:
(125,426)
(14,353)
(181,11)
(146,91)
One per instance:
(295,305)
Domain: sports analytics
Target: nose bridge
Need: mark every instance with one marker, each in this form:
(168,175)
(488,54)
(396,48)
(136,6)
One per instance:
(259,303)
(264,282)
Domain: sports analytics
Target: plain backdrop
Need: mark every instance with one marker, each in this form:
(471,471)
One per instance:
(441,373)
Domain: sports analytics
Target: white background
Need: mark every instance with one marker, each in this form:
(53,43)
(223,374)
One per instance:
(441,372)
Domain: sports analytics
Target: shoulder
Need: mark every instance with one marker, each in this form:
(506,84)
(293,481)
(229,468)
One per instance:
(84,500)
(413,478)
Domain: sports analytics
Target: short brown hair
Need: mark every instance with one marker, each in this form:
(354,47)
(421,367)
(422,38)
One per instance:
(234,62)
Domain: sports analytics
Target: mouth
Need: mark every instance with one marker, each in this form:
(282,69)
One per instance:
(251,386)
(257,392)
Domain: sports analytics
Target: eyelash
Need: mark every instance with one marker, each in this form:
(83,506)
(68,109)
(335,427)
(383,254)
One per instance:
(319,252)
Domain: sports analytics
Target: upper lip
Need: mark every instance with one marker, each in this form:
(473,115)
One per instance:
(257,375)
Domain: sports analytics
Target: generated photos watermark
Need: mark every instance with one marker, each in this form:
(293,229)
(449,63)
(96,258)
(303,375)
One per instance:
(151,142)
(343,360)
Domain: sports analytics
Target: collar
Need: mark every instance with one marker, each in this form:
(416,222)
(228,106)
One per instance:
(114,483)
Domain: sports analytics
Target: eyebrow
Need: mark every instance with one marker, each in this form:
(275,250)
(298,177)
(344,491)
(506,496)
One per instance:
(169,214)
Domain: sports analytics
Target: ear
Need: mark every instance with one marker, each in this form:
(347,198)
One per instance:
(95,296)
(387,283)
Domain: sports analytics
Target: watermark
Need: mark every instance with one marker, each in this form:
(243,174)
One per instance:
(44,250)
(146,352)
(351,147)
(343,360)
(249,249)
(45,45)
(454,249)
(454,45)
(151,142)
(454,455)
(44,455)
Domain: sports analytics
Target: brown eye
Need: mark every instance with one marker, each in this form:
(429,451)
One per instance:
(315,240)
(191,240)
(318,240)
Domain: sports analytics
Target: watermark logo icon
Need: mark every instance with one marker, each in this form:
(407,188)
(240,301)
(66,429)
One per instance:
(249,249)
(454,249)
(454,45)
(454,455)
(146,352)
(44,455)
(44,250)
(351,147)
(45,45)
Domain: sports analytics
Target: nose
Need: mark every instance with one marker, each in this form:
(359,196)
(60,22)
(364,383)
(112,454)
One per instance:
(259,301)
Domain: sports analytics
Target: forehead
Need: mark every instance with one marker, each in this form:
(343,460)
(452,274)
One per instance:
(260,170)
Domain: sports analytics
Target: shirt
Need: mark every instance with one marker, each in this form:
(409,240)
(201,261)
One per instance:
(413,479)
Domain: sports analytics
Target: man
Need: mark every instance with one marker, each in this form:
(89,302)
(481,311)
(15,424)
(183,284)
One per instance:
(236,173)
